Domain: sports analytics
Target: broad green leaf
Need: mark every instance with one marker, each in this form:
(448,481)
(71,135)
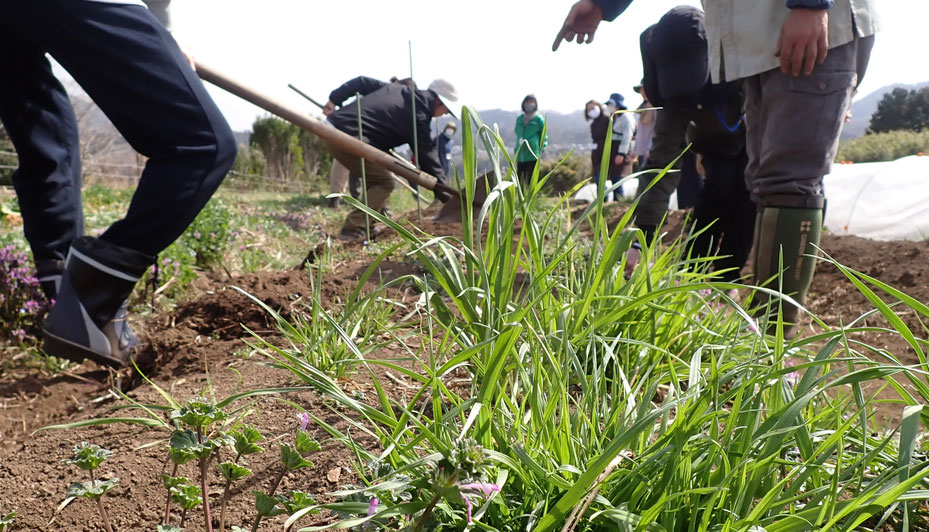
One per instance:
(198,413)
(305,444)
(88,456)
(233,472)
(266,505)
(92,490)
(292,459)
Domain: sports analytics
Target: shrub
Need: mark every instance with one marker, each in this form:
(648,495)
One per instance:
(564,176)
(22,304)
(884,146)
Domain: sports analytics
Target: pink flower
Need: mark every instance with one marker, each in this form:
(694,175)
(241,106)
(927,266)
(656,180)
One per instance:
(372,509)
(484,488)
(304,419)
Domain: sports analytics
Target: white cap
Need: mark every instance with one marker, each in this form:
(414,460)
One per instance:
(446,93)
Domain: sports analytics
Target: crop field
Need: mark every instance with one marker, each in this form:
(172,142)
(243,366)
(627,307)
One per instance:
(494,374)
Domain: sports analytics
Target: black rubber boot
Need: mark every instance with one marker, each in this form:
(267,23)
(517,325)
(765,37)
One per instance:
(788,236)
(88,319)
(49,272)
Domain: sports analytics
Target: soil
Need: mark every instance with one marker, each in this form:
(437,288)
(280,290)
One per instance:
(201,343)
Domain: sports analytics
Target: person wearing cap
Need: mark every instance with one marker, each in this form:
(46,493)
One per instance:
(387,122)
(132,68)
(530,141)
(801,60)
(444,142)
(709,117)
(623,132)
(599,117)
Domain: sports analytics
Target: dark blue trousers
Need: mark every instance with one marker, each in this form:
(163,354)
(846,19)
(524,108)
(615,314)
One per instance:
(133,70)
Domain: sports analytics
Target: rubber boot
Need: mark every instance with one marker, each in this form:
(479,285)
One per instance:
(787,236)
(88,319)
(49,272)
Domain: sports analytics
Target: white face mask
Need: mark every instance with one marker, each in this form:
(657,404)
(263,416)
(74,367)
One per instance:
(593,112)
(611,108)
(449,133)
(529,107)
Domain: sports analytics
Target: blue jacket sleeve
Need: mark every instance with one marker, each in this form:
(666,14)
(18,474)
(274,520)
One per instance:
(362,85)
(612,8)
(810,4)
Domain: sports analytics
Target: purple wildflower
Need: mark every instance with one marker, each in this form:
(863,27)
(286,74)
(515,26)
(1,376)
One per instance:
(372,509)
(19,335)
(484,488)
(304,419)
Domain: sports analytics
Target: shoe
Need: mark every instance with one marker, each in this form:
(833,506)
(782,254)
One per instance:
(787,236)
(48,272)
(357,234)
(89,318)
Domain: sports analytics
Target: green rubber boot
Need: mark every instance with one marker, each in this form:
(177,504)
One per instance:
(786,236)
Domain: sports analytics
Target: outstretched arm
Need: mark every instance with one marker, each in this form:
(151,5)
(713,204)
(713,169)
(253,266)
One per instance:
(362,85)
(584,18)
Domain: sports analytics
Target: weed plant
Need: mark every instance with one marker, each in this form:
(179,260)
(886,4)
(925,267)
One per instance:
(22,303)
(599,403)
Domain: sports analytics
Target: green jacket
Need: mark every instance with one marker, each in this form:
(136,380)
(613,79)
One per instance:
(531,133)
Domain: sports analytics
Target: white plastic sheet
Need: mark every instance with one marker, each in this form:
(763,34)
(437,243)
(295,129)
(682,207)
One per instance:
(881,201)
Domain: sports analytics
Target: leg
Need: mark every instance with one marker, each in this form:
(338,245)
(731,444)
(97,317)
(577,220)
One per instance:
(725,202)
(802,118)
(380,184)
(338,182)
(668,145)
(160,107)
(37,114)
(157,103)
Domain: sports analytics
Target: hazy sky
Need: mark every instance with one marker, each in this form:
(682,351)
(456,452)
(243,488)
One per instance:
(495,52)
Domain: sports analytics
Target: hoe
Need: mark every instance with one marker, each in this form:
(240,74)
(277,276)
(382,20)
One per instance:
(450,212)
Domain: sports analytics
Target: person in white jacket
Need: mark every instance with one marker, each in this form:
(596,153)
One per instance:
(800,61)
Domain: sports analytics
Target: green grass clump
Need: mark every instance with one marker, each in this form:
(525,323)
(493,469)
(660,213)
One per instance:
(599,403)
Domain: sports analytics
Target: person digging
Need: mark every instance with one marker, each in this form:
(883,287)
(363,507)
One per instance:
(158,104)
(386,123)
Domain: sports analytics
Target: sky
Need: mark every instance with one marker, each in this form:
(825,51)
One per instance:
(494,52)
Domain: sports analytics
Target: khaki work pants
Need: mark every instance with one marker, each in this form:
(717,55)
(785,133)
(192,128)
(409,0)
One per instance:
(380,185)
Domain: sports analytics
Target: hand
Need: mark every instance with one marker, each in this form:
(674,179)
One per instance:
(619,159)
(328,108)
(632,260)
(804,41)
(581,23)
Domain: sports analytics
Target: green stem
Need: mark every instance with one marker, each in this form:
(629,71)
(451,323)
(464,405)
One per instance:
(222,512)
(273,489)
(106,520)
(167,517)
(204,472)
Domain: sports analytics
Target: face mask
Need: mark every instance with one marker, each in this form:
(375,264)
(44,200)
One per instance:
(449,133)
(529,107)
(611,108)
(593,113)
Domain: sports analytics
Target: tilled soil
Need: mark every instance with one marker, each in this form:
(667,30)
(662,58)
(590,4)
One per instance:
(200,344)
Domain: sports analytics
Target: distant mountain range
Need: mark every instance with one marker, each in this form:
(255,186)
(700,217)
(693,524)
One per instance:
(865,107)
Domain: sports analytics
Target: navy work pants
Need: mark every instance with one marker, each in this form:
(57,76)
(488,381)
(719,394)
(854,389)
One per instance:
(133,70)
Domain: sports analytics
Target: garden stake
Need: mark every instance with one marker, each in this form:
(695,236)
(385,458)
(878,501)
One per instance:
(419,203)
(364,178)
